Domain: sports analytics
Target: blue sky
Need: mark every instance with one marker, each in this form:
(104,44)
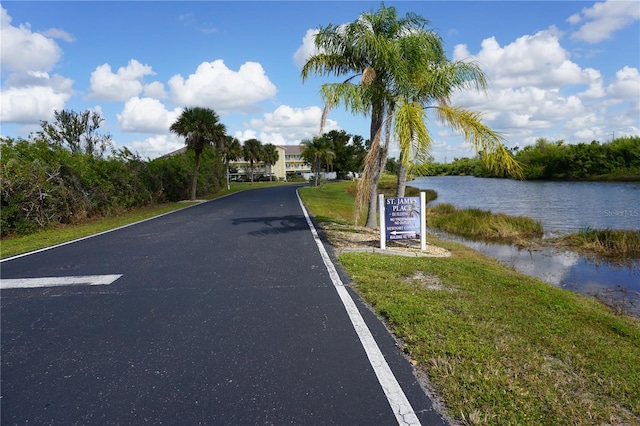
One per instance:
(557,69)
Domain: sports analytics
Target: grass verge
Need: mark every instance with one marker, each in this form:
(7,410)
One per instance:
(46,238)
(500,347)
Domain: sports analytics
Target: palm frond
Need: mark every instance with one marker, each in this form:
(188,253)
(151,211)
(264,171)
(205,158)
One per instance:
(486,142)
(411,133)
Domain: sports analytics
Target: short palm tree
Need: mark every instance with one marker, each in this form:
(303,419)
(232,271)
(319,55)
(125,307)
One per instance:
(200,127)
(429,87)
(251,152)
(230,150)
(270,157)
(316,150)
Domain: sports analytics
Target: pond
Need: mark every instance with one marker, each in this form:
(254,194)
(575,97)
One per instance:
(561,207)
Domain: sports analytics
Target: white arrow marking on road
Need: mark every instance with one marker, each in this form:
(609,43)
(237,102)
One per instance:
(58,281)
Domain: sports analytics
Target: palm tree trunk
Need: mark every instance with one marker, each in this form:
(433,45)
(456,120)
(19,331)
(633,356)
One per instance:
(194,181)
(373,190)
(377,166)
(402,179)
(228,186)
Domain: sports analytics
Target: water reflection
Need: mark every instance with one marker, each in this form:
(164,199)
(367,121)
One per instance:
(568,270)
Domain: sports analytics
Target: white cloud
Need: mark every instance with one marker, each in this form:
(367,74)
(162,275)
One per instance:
(29,93)
(156,146)
(596,85)
(537,59)
(146,115)
(627,84)
(535,90)
(213,85)
(603,19)
(59,33)
(286,126)
(155,90)
(32,104)
(306,49)
(124,84)
(24,50)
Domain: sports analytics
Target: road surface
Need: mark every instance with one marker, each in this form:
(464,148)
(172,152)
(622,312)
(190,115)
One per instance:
(227,312)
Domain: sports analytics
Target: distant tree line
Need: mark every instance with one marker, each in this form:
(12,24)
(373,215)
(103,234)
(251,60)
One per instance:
(618,159)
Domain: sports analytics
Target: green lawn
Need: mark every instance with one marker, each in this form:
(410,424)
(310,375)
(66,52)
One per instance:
(499,347)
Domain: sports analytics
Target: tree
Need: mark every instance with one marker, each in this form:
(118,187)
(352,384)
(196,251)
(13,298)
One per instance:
(270,157)
(251,151)
(368,48)
(314,151)
(77,132)
(230,150)
(410,122)
(200,127)
(403,70)
(348,151)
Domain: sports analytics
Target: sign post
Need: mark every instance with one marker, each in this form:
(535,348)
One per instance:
(402,218)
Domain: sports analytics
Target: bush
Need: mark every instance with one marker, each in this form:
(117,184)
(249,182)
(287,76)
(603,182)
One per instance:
(44,184)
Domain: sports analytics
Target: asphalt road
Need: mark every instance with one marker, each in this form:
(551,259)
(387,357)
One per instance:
(224,313)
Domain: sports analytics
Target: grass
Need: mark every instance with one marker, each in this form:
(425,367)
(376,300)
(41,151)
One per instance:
(614,243)
(500,347)
(482,224)
(48,237)
(334,201)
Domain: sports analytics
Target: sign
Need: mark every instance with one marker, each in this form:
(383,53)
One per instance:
(402,218)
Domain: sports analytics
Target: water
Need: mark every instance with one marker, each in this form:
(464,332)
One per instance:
(561,207)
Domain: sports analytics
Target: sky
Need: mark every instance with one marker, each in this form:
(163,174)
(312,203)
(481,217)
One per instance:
(560,70)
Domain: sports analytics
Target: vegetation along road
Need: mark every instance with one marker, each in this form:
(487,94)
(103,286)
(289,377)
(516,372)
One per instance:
(221,313)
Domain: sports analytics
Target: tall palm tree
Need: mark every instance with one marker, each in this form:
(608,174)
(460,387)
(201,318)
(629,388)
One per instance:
(230,150)
(392,55)
(368,48)
(270,157)
(251,152)
(200,127)
(316,150)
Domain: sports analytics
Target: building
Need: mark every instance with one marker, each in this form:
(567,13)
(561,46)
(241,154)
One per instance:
(290,162)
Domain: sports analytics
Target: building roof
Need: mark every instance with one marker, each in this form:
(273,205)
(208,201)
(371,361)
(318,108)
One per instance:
(291,149)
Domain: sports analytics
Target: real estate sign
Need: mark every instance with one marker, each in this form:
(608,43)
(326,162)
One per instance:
(402,218)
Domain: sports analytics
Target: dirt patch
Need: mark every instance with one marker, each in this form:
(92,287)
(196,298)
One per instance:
(350,237)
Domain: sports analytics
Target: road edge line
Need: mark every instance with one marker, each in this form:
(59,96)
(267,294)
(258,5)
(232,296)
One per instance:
(86,237)
(398,401)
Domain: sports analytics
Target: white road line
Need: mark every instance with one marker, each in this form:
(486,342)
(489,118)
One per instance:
(17,256)
(395,395)
(58,281)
